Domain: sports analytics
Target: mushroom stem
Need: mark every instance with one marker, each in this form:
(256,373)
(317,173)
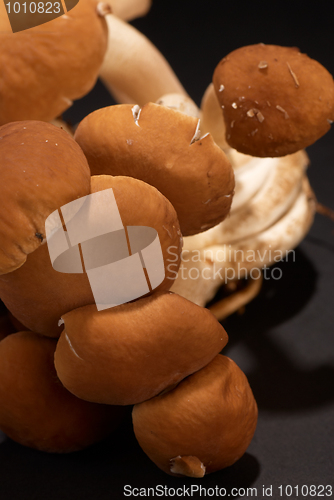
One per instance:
(119,96)
(229,305)
(325,211)
(275,197)
(130,9)
(212,120)
(134,67)
(179,102)
(281,182)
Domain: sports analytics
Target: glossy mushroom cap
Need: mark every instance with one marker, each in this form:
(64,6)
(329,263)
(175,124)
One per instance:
(164,148)
(36,410)
(42,168)
(275,99)
(132,352)
(205,424)
(44,69)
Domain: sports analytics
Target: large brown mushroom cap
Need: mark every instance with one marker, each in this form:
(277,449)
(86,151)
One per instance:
(162,147)
(44,68)
(275,99)
(36,410)
(41,169)
(132,352)
(205,424)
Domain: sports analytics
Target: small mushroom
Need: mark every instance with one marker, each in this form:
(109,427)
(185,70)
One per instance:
(204,424)
(44,69)
(132,352)
(164,148)
(277,108)
(36,410)
(42,168)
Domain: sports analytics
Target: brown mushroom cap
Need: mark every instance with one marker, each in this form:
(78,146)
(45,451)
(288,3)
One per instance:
(275,99)
(41,169)
(36,410)
(132,352)
(163,148)
(211,416)
(44,68)
(38,295)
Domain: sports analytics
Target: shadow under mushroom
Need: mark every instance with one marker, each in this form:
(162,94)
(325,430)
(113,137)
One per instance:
(279,381)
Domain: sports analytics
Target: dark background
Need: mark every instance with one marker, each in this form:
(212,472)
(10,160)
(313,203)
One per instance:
(285,340)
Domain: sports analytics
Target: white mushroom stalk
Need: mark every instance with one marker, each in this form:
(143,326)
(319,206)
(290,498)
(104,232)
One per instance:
(130,9)
(250,175)
(203,271)
(179,102)
(277,192)
(212,117)
(134,70)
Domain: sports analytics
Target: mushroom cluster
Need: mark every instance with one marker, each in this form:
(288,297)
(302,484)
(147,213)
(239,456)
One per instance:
(66,355)
(68,369)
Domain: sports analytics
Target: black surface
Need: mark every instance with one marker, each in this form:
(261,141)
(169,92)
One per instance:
(285,340)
